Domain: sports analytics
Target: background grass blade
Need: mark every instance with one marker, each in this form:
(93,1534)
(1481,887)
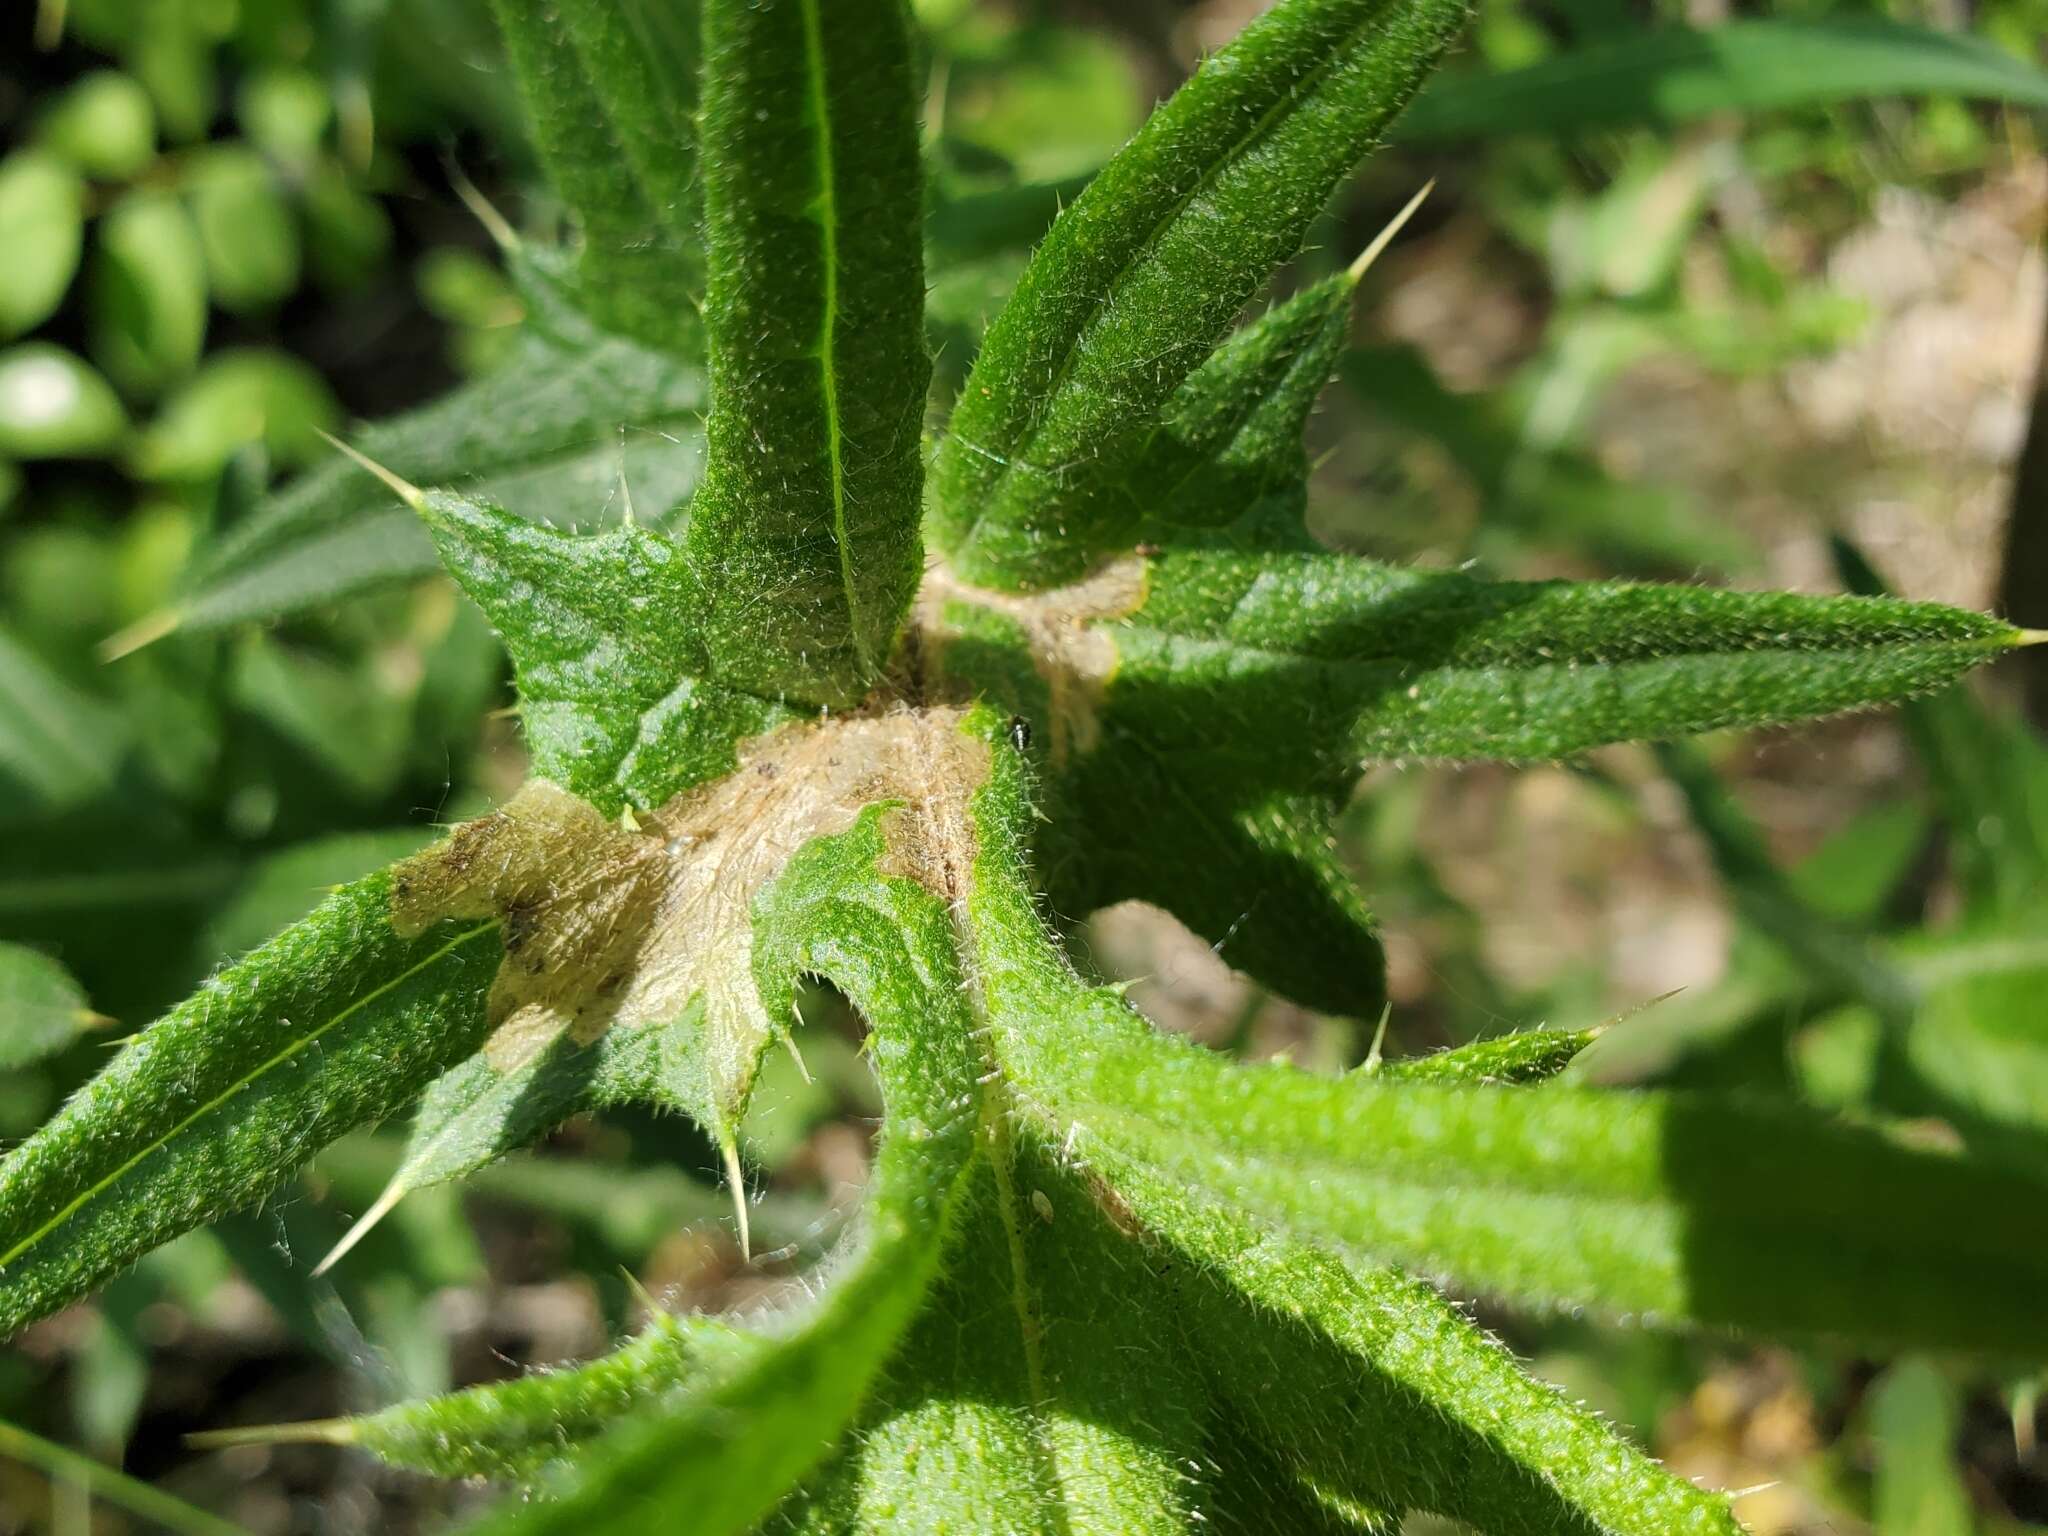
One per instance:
(1678,75)
(573,429)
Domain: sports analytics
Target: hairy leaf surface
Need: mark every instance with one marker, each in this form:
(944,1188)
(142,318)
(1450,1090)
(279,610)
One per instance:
(805,535)
(1371,1388)
(1041,1389)
(1642,1204)
(1138,279)
(335,1022)
(1412,664)
(615,681)
(728,1453)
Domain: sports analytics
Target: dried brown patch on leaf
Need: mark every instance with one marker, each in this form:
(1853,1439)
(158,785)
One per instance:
(1069,650)
(627,923)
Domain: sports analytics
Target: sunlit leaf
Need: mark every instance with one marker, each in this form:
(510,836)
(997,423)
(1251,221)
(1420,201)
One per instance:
(1142,274)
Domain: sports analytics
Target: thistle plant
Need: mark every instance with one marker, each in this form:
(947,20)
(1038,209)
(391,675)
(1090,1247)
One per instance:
(833,718)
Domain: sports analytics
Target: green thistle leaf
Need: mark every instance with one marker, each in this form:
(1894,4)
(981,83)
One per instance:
(729,1452)
(615,683)
(805,535)
(1640,1204)
(1332,660)
(1140,277)
(334,1023)
(611,92)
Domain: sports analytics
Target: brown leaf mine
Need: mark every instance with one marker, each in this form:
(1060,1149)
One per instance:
(625,924)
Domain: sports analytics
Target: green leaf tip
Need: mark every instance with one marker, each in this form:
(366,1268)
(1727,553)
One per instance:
(144,632)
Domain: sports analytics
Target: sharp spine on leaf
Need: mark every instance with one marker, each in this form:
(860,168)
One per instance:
(402,488)
(736,1177)
(1385,237)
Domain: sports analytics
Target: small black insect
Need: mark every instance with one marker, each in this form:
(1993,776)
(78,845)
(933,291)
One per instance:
(1020,733)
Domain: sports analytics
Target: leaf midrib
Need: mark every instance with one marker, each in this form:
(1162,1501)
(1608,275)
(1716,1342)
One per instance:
(87,1196)
(1986,646)
(828,231)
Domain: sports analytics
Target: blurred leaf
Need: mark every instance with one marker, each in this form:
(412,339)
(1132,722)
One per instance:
(57,745)
(42,208)
(1627,240)
(348,234)
(1977,1052)
(42,1009)
(349,720)
(1990,778)
(1860,865)
(1549,493)
(149,292)
(284,111)
(1677,75)
(1060,99)
(104,124)
(105,1483)
(112,1367)
(610,91)
(238,396)
(1837,954)
(574,428)
(280,888)
(974,226)
(1915,1422)
(54,406)
(246,228)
